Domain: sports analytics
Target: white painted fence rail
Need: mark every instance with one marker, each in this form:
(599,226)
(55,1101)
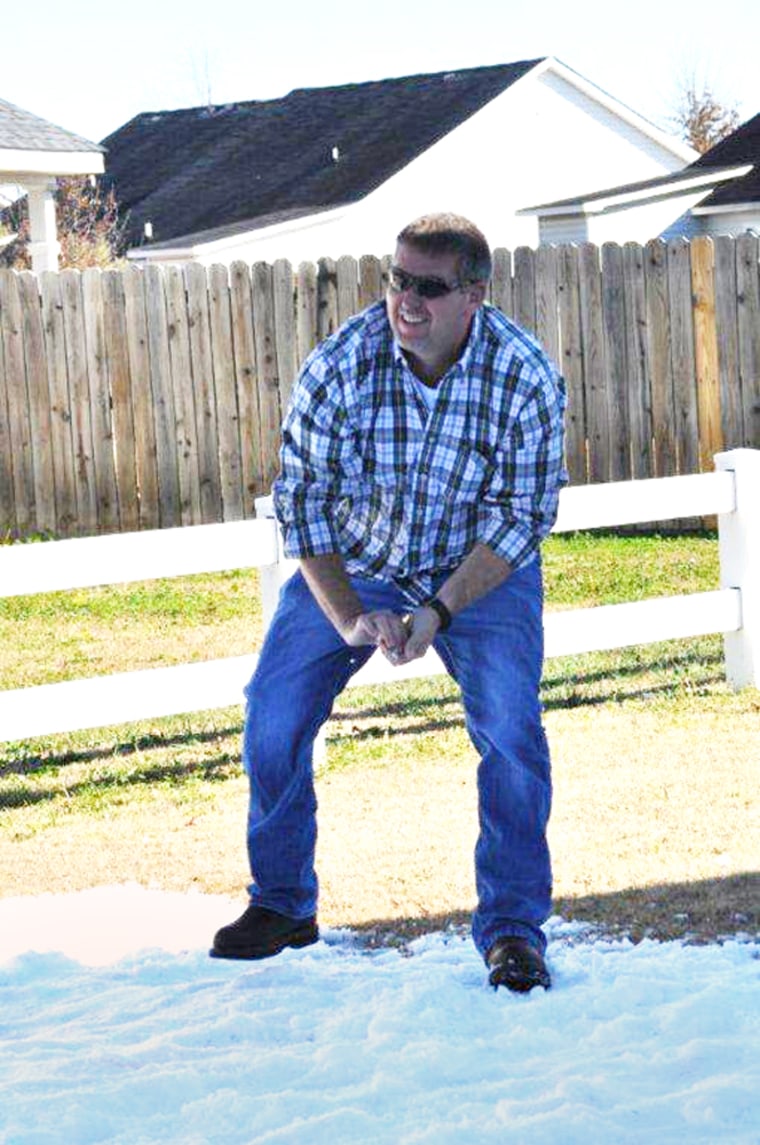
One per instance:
(732,493)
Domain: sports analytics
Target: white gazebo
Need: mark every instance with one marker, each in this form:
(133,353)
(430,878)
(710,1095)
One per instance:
(33,153)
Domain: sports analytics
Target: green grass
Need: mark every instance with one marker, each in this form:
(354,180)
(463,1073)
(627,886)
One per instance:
(121,628)
(585,569)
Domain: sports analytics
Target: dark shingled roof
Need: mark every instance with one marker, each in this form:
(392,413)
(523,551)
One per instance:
(22,131)
(741,146)
(261,162)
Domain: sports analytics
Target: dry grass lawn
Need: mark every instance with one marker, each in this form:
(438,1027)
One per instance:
(655,829)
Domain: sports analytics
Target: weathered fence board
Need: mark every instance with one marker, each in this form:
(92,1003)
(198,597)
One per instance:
(39,403)
(153,398)
(706,351)
(571,362)
(616,369)
(306,309)
(225,389)
(597,391)
(285,333)
(524,288)
(79,396)
(19,425)
(270,409)
(370,280)
(682,358)
(748,325)
(547,318)
(347,287)
(241,316)
(660,362)
(104,468)
(202,375)
(146,463)
(185,430)
(327,298)
(60,406)
(123,422)
(727,335)
(637,383)
(8,523)
(161,397)
(501,281)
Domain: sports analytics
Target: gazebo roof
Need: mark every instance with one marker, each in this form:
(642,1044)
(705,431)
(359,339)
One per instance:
(31,145)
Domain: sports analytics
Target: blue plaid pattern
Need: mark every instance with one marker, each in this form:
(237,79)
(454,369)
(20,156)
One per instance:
(404,493)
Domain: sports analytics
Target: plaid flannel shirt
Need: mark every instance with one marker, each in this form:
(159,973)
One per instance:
(404,493)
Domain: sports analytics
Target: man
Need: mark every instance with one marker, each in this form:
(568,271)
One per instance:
(421,467)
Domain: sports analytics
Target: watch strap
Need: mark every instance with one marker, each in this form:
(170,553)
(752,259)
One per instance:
(444,615)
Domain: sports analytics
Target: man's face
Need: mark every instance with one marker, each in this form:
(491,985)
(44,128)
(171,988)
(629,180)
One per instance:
(431,330)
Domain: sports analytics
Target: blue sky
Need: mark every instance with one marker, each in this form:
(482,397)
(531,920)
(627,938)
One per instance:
(90,66)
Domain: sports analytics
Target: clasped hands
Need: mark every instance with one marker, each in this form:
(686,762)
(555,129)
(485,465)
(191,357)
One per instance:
(401,638)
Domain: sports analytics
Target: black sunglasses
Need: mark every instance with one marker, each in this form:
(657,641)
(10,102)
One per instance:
(422,285)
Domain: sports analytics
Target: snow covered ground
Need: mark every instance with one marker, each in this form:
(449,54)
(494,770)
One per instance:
(116,1027)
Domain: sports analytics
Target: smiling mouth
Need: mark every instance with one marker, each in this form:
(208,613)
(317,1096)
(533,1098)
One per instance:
(412,319)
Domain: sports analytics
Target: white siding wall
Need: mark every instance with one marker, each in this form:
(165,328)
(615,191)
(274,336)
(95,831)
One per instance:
(558,229)
(730,222)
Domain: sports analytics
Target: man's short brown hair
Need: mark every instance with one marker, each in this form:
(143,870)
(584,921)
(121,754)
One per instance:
(451,234)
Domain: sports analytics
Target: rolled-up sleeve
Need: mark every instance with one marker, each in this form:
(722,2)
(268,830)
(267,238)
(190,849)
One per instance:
(521,504)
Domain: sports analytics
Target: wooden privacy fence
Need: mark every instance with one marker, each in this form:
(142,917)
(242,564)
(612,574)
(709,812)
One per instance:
(142,399)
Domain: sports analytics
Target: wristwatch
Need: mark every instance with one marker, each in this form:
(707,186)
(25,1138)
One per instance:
(440,608)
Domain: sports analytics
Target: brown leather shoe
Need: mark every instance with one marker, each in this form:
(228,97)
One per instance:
(260,933)
(515,963)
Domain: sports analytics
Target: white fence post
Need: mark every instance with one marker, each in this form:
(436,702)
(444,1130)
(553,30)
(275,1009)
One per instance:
(739,546)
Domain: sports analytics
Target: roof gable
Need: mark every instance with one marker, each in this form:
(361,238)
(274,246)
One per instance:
(199,168)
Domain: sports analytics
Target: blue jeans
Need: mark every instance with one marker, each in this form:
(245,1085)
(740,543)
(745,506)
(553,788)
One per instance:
(494,651)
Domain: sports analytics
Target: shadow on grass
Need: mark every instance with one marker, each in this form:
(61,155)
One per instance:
(705,677)
(214,770)
(695,912)
(26,765)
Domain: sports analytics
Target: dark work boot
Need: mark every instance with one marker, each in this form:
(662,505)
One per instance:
(260,933)
(515,963)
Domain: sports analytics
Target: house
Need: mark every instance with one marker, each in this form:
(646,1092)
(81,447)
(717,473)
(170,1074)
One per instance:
(33,153)
(337,170)
(717,194)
